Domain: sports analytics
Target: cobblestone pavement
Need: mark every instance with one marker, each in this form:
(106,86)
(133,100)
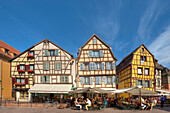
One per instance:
(67,110)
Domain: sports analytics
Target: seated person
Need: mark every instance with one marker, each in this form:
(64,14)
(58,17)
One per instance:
(77,103)
(88,103)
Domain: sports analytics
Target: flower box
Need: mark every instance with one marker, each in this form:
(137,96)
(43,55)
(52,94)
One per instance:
(30,71)
(21,70)
(30,56)
(19,84)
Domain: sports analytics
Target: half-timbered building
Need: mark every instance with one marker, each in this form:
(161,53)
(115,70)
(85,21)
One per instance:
(43,70)
(138,68)
(96,65)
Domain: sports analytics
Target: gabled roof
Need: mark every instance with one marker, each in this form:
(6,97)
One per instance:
(39,43)
(94,35)
(131,55)
(8,47)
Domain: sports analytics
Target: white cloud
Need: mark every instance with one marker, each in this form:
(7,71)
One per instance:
(161,47)
(148,19)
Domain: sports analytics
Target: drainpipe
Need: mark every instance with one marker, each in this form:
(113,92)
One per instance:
(1,78)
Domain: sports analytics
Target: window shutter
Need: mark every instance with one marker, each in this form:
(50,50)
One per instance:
(113,65)
(90,53)
(62,79)
(66,79)
(150,83)
(113,80)
(93,65)
(104,80)
(101,53)
(102,66)
(41,79)
(18,67)
(56,52)
(45,52)
(47,79)
(82,80)
(136,82)
(27,67)
(100,80)
(26,80)
(143,83)
(91,80)
(57,66)
(13,80)
(90,66)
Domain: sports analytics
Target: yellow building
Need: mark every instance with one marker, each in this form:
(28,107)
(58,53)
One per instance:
(138,68)
(6,53)
(96,65)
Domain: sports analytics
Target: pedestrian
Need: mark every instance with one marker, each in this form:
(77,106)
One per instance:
(162,101)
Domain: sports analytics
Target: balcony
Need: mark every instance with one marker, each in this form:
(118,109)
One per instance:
(21,71)
(30,71)
(30,56)
(19,84)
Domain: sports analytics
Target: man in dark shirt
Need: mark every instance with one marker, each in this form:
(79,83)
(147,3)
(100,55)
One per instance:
(162,101)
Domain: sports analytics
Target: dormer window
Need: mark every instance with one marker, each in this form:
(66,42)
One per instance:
(94,41)
(31,53)
(6,51)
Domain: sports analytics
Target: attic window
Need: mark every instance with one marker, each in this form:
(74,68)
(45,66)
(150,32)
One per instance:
(15,55)
(94,41)
(142,49)
(6,51)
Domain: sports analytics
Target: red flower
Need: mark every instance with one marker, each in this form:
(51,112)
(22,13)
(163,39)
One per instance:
(30,70)
(19,84)
(20,70)
(29,56)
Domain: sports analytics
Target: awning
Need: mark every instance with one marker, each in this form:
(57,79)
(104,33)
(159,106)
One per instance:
(50,88)
(136,91)
(162,92)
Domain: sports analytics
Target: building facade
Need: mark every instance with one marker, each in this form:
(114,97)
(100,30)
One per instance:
(158,75)
(138,68)
(41,71)
(166,79)
(96,65)
(6,53)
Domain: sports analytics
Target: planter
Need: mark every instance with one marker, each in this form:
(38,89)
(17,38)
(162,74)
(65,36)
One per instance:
(20,70)
(30,56)
(19,84)
(30,71)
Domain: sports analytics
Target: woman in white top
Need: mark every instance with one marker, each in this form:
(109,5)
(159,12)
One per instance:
(77,103)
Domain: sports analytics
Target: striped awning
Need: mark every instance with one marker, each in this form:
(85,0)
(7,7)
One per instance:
(50,88)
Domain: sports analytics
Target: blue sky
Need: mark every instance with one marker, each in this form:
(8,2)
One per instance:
(124,25)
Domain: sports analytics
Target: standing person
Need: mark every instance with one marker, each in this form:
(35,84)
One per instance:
(88,104)
(162,101)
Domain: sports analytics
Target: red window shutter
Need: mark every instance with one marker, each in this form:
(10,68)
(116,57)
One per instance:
(27,67)
(26,80)
(18,67)
(13,80)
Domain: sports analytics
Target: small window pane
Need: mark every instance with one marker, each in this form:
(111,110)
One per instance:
(139,70)
(146,71)
(94,41)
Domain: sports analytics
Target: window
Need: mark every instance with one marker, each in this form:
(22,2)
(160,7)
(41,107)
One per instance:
(98,80)
(57,66)
(94,41)
(143,58)
(91,80)
(20,80)
(109,80)
(45,52)
(82,80)
(102,66)
(98,66)
(31,66)
(15,55)
(95,53)
(51,52)
(139,71)
(56,53)
(6,51)
(22,67)
(46,66)
(146,71)
(157,72)
(142,49)
(41,79)
(92,66)
(31,53)
(113,80)
(108,66)
(90,53)
(158,82)
(86,80)
(140,82)
(87,66)
(64,79)
(101,53)
(81,66)
(23,80)
(46,79)
(146,83)
(113,66)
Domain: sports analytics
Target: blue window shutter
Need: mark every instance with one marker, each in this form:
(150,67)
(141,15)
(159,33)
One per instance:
(56,52)
(101,53)
(113,65)
(104,79)
(150,83)
(102,66)
(81,66)
(91,80)
(82,80)
(100,80)
(90,53)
